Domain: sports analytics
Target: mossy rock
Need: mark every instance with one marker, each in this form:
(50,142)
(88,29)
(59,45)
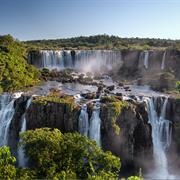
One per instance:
(114,108)
(55,98)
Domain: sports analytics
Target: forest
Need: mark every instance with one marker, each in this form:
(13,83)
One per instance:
(104,42)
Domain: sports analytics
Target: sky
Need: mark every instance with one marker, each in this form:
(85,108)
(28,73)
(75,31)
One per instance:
(51,19)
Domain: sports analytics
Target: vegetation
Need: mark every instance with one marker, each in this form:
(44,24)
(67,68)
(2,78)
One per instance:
(163,82)
(54,155)
(178,86)
(104,42)
(7,161)
(114,108)
(56,97)
(15,72)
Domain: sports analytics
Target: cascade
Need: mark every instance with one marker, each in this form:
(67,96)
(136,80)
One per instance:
(95,124)
(84,60)
(21,155)
(83,124)
(6,115)
(163,61)
(161,136)
(146,59)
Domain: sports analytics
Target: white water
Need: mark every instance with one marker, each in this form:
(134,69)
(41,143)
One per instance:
(86,61)
(22,160)
(163,61)
(146,59)
(83,124)
(95,125)
(92,129)
(161,136)
(6,115)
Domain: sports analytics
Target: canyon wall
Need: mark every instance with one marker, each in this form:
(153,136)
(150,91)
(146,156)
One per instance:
(133,141)
(128,63)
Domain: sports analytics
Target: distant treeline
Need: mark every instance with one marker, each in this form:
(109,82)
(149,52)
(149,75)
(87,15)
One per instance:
(104,42)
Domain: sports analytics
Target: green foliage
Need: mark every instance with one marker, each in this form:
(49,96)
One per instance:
(178,86)
(15,72)
(163,82)
(102,175)
(7,161)
(70,155)
(56,98)
(135,178)
(25,174)
(104,42)
(45,72)
(114,107)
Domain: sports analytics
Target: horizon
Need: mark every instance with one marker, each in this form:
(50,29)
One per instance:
(59,38)
(62,19)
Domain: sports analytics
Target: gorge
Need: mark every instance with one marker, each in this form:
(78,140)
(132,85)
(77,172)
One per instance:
(118,98)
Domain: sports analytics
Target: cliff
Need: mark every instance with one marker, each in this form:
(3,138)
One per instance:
(124,125)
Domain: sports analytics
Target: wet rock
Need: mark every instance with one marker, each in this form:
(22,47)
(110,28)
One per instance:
(100,88)
(111,88)
(121,84)
(52,114)
(89,95)
(139,81)
(127,88)
(15,126)
(107,91)
(119,94)
(134,141)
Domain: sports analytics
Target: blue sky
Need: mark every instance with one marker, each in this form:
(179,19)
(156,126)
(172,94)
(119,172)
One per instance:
(50,19)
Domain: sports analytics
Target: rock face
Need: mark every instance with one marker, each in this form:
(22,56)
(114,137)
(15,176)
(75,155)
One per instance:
(174,109)
(131,63)
(157,61)
(134,140)
(174,115)
(53,115)
(132,143)
(15,125)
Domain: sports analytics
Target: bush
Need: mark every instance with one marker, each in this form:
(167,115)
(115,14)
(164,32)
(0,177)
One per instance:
(178,86)
(57,155)
(15,72)
(7,161)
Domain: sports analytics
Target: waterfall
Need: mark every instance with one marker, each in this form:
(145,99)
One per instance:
(92,130)
(6,115)
(146,59)
(161,136)
(21,155)
(95,124)
(84,60)
(163,61)
(83,124)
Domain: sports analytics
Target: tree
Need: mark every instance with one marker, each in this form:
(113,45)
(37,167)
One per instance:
(178,86)
(7,167)
(57,155)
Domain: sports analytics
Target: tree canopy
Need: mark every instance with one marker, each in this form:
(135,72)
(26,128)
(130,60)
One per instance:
(103,42)
(15,72)
(56,155)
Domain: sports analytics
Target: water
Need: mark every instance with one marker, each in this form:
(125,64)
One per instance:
(163,61)
(86,61)
(67,88)
(22,160)
(146,59)
(6,115)
(83,124)
(95,125)
(161,137)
